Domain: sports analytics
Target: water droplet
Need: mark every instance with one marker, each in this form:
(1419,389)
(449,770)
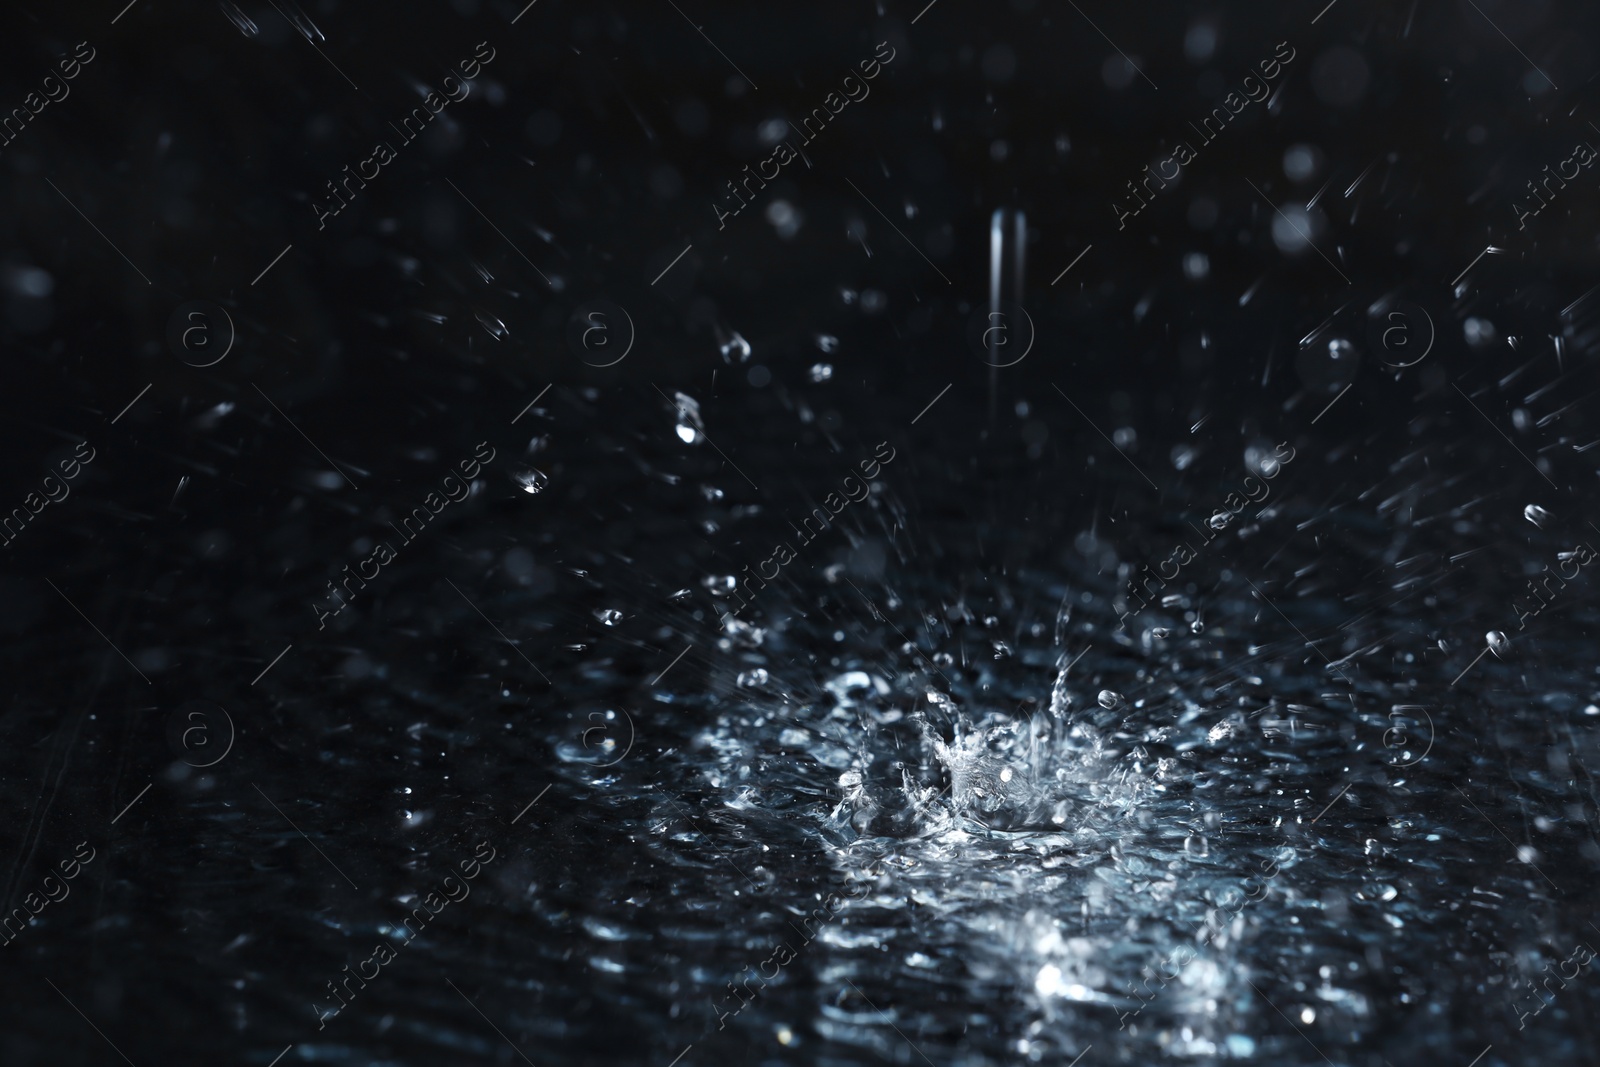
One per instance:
(689,428)
(299,20)
(1160,633)
(1220,520)
(734,348)
(1327,368)
(244,23)
(719,584)
(496,328)
(680,594)
(827,342)
(1260,458)
(741,633)
(1499,643)
(1535,514)
(1001,649)
(711,493)
(1197,627)
(1183,456)
(1195,845)
(943,659)
(1109,699)
(821,372)
(1478,332)
(753,679)
(608,616)
(529,479)
(1296,227)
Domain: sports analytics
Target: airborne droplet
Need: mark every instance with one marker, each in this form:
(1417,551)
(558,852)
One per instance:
(245,23)
(529,479)
(719,584)
(734,349)
(496,328)
(1499,643)
(690,427)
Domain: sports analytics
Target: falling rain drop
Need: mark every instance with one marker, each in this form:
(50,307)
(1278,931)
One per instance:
(300,21)
(1008,241)
(529,479)
(496,328)
(1220,520)
(1535,514)
(244,23)
(1499,643)
(1109,699)
(753,679)
(608,616)
(821,372)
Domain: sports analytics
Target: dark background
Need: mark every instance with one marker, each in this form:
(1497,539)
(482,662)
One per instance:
(425,319)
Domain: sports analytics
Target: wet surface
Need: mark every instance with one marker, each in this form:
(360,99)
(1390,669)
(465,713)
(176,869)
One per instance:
(552,614)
